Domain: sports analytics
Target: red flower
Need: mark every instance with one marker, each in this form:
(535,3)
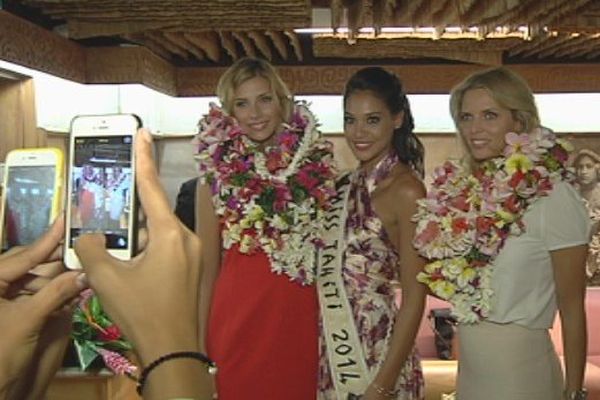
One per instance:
(306,180)
(460,202)
(516,179)
(430,232)
(483,224)
(512,204)
(274,161)
(110,334)
(459,225)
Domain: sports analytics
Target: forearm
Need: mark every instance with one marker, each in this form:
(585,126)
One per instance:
(575,349)
(206,291)
(401,342)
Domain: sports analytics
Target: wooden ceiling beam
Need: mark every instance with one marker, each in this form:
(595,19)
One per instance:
(172,47)
(563,10)
(550,42)
(228,43)
(584,48)
(261,43)
(156,47)
(208,42)
(295,42)
(279,42)
(488,52)
(447,15)
(181,41)
(82,30)
(246,43)
(555,50)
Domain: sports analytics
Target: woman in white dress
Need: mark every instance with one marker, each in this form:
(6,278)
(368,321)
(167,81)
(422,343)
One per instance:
(507,237)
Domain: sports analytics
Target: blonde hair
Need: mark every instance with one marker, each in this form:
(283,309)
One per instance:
(507,89)
(247,68)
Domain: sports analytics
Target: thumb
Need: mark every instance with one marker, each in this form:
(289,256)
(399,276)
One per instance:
(95,260)
(54,295)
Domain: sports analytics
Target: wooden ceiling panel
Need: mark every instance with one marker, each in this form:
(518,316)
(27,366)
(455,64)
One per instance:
(209,32)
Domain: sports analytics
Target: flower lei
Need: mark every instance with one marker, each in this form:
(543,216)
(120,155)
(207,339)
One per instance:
(466,218)
(95,335)
(272,200)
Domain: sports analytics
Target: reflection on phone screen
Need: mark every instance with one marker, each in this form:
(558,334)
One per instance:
(101,188)
(29,193)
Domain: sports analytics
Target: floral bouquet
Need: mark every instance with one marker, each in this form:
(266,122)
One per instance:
(96,336)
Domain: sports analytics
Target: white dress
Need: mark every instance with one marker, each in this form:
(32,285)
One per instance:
(510,356)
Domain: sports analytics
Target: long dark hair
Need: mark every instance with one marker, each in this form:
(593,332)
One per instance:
(388,88)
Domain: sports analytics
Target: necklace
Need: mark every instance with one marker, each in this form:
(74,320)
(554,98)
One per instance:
(466,218)
(274,200)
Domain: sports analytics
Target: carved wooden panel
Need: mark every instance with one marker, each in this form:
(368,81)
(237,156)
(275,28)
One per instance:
(487,52)
(24,43)
(130,65)
(543,78)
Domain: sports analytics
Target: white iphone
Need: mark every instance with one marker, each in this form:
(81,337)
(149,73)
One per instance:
(32,194)
(101,183)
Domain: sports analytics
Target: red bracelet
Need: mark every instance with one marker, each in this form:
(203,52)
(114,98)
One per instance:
(212,367)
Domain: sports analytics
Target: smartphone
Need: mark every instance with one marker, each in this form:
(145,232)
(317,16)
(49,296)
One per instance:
(101,183)
(31,195)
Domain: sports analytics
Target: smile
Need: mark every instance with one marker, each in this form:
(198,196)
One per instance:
(361,146)
(479,142)
(257,126)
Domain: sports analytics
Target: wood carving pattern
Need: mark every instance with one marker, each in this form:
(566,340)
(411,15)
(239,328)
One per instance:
(130,65)
(26,44)
(426,79)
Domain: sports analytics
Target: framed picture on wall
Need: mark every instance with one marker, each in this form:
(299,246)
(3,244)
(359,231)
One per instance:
(586,163)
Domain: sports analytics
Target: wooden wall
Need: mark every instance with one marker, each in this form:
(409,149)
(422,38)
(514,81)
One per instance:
(17,116)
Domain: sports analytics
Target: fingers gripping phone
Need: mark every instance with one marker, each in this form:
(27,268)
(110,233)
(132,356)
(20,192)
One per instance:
(32,194)
(101,183)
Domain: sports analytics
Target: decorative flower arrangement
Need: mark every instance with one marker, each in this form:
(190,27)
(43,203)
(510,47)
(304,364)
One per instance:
(466,218)
(273,200)
(95,335)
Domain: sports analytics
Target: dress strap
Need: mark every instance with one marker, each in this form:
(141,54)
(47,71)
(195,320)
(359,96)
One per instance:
(381,171)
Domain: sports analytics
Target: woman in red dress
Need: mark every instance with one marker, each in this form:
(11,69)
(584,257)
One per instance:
(266,179)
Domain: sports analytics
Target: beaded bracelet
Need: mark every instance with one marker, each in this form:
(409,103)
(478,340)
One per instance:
(212,367)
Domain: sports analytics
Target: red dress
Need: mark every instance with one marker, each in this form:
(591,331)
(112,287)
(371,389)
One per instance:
(263,332)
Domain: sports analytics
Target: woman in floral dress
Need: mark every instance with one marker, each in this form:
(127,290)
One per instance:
(506,233)
(367,346)
(266,180)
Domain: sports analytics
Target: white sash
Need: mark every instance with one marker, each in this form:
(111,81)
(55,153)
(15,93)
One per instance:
(347,363)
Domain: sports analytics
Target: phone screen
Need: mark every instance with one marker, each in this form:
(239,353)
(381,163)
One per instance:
(101,184)
(29,194)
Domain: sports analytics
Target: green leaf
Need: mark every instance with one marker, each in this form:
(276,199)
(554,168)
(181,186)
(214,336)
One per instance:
(86,353)
(119,345)
(95,307)
(79,317)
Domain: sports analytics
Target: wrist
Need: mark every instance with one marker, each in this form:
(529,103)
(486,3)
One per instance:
(575,394)
(385,391)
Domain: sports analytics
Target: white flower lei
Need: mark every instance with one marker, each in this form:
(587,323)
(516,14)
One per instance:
(463,223)
(289,238)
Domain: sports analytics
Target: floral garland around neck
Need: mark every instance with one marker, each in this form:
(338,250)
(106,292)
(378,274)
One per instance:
(466,218)
(273,200)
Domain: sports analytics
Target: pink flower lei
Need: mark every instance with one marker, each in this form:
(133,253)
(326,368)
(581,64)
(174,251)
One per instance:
(274,200)
(466,218)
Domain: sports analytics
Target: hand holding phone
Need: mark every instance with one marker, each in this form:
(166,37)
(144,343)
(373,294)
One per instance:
(101,183)
(32,194)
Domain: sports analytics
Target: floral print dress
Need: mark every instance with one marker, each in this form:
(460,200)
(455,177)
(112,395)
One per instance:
(369,271)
